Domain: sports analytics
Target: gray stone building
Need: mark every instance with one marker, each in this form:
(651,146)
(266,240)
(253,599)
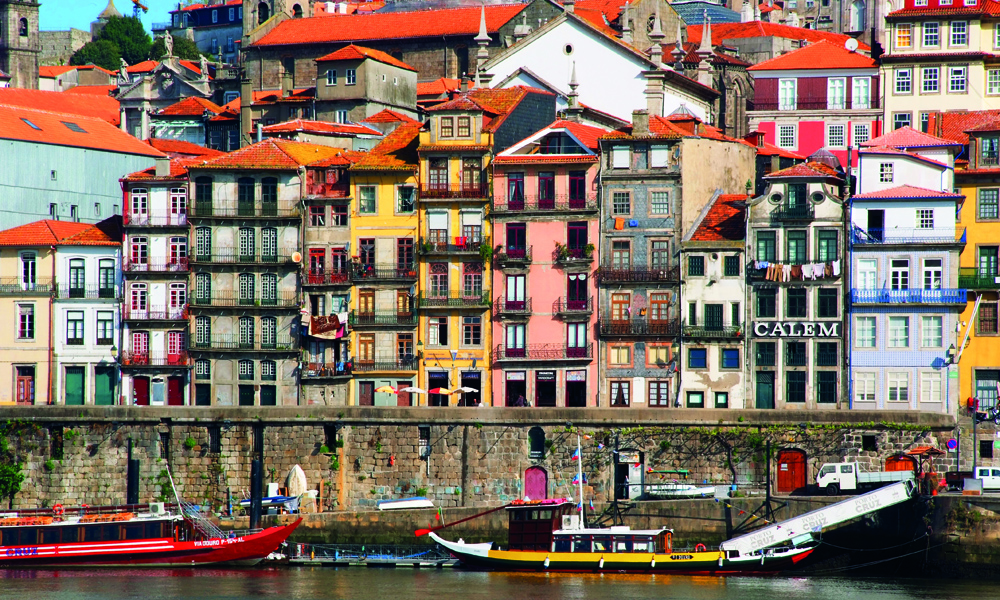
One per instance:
(356,82)
(19,42)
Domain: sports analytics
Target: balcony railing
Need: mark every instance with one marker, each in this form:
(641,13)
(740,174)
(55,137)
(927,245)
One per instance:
(803,212)
(542,204)
(470,298)
(219,341)
(544,352)
(816,103)
(155,313)
(638,327)
(437,191)
(907,235)
(468,245)
(381,319)
(638,274)
(234,256)
(15,286)
(565,306)
(917,296)
(229,299)
(512,257)
(567,255)
(89,292)
(244,209)
(720,330)
(973,278)
(155,219)
(760,275)
(153,359)
(384,272)
(408,363)
(505,308)
(155,265)
(327,278)
(326,370)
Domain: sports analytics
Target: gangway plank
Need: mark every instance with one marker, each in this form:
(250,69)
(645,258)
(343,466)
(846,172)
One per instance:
(815,520)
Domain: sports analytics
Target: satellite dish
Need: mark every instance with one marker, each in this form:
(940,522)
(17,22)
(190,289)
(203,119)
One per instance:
(851,44)
(296,257)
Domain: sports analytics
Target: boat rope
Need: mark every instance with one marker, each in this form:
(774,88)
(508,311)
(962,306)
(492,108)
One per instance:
(874,562)
(874,549)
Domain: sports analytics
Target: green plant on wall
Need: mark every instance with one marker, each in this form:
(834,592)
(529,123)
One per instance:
(190,443)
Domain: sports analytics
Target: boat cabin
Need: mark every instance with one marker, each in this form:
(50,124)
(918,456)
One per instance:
(531,522)
(32,527)
(613,540)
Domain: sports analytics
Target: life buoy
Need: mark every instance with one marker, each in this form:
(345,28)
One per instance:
(58,510)
(700,548)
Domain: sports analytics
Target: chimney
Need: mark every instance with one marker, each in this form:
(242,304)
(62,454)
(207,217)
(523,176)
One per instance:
(162,166)
(640,122)
(465,83)
(569,5)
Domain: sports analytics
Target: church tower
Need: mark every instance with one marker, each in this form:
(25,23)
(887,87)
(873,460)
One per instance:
(19,43)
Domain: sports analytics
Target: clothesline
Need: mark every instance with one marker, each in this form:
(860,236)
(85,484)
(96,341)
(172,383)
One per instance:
(811,271)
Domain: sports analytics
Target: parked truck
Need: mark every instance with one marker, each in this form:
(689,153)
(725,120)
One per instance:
(990,476)
(835,478)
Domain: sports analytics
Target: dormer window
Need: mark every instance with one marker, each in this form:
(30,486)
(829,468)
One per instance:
(989,151)
(447,127)
(464,127)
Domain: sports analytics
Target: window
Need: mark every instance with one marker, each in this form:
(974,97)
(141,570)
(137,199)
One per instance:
(899,386)
(215,19)
(864,387)
(989,151)
(930,80)
(74,328)
(899,332)
(659,156)
(405,199)
(901,120)
(331,77)
(22,27)
(904,80)
(730,358)
(351,76)
(795,354)
(660,203)
(933,272)
(988,261)
(696,266)
(767,303)
(620,393)
(865,332)
(621,203)
(696,399)
(957,79)
(885,172)
(464,127)
(105,328)
(861,134)
(931,38)
(959,33)
(366,199)
(340,215)
(786,136)
(931,332)
(576,340)
(765,354)
(795,386)
(861,92)
(246,369)
(721,399)
(925,218)
(766,245)
(472,331)
(993,80)
(202,369)
(826,306)
(826,387)
(25,321)
(836,93)
(620,356)
(659,393)
(795,303)
(447,127)
(867,272)
(925,118)
(342,116)
(697,358)
(203,331)
(904,34)
(827,246)
(826,354)
(985,448)
(658,355)
(796,246)
(786,94)
(731,266)
(659,253)
(836,136)
(317,216)
(437,331)
(619,157)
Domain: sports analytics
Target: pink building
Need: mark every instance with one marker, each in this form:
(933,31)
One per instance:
(545,227)
(820,96)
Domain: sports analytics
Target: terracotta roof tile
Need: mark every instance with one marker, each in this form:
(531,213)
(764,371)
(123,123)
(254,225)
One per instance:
(497,102)
(718,58)
(273,154)
(753,29)
(389,116)
(597,19)
(57,70)
(61,129)
(49,233)
(438,87)
(147,66)
(85,105)
(105,233)
(820,55)
(178,171)
(908,137)
(198,5)
(397,152)
(96,90)
(986,7)
(810,169)
(906,192)
(190,107)
(392,25)
(353,52)
(883,150)
(611,9)
(180,147)
(725,221)
(953,125)
(345,159)
(320,127)
(546,159)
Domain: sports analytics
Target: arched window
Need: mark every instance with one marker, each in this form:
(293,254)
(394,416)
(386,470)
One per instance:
(536,443)
(246,369)
(296,11)
(22,27)
(263,13)
(858,15)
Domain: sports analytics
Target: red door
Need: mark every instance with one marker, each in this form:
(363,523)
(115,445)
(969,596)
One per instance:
(140,391)
(536,483)
(175,347)
(791,471)
(366,393)
(900,463)
(174,394)
(26,385)
(403,398)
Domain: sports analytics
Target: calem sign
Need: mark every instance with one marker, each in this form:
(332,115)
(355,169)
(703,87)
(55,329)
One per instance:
(796,329)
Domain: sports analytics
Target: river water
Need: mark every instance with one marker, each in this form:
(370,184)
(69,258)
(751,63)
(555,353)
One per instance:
(356,583)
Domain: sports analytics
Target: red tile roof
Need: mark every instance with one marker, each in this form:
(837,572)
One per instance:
(811,169)
(675,127)
(178,171)
(345,159)
(58,233)
(273,154)
(57,70)
(596,19)
(497,103)
(438,87)
(397,152)
(725,220)
(953,125)
(820,55)
(389,116)
(191,107)
(182,148)
(908,137)
(84,105)
(206,5)
(691,48)
(394,25)
(147,66)
(546,159)
(883,150)
(587,134)
(986,7)
(353,52)
(321,127)
(105,233)
(52,128)
(610,9)
(96,90)
(906,192)
(752,29)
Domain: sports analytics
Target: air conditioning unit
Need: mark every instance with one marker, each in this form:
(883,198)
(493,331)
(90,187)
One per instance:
(571,522)
(157,508)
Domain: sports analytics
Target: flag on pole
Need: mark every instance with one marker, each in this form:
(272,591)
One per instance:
(576,479)
(575,455)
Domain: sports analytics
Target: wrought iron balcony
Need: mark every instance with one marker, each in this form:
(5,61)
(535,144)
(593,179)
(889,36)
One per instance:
(712,330)
(638,274)
(408,363)
(155,313)
(462,299)
(155,265)
(461,245)
(948,236)
(974,279)
(155,219)
(558,203)
(376,273)
(760,275)
(89,292)
(236,342)
(440,191)
(233,299)
(229,255)
(381,319)
(801,212)
(16,286)
(543,352)
(327,278)
(506,309)
(916,296)
(512,257)
(314,371)
(137,360)
(564,255)
(229,210)
(815,103)
(565,307)
(638,327)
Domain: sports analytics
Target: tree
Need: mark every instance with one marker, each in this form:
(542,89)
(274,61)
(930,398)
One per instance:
(102,53)
(129,35)
(183,48)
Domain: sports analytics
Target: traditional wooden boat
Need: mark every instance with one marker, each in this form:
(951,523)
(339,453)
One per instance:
(146,535)
(545,536)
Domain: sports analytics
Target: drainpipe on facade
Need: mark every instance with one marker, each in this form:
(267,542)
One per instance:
(846,262)
(51,398)
(597,330)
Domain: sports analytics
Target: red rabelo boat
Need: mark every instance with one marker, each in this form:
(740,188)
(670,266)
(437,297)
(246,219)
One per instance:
(150,535)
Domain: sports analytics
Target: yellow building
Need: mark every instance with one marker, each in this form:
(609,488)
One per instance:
(979,360)
(382,318)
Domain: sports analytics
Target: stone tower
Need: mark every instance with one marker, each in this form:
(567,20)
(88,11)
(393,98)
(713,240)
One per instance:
(19,44)
(256,12)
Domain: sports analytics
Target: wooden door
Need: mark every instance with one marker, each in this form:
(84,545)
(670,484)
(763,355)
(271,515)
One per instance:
(536,483)
(791,471)
(74,386)
(403,398)
(366,393)
(140,391)
(25,385)
(104,386)
(175,395)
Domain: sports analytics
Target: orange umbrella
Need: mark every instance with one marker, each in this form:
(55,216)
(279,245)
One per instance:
(386,389)
(445,391)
